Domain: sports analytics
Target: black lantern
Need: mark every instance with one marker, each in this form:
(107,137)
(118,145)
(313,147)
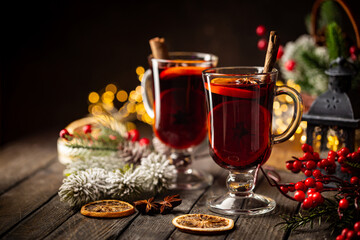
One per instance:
(333,109)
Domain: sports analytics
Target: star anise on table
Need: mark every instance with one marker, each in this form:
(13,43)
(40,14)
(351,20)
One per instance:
(169,202)
(147,206)
(150,207)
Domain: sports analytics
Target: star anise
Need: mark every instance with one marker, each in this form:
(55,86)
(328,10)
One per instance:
(147,206)
(169,203)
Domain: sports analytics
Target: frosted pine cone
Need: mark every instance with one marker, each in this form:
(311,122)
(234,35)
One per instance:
(132,152)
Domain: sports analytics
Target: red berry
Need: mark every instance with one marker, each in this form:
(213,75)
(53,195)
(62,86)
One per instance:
(331,160)
(63,133)
(308,173)
(297,165)
(144,141)
(344,232)
(307,203)
(344,169)
(340,237)
(319,164)
(87,129)
(344,203)
(310,182)
(324,163)
(354,180)
(311,149)
(284,189)
(133,135)
(300,186)
(319,186)
(260,30)
(341,159)
(355,155)
(332,153)
(358,149)
(316,197)
(344,151)
(308,156)
(353,57)
(357,226)
(262,44)
(316,173)
(310,164)
(310,192)
(305,147)
(289,165)
(316,155)
(280,52)
(350,234)
(352,50)
(299,196)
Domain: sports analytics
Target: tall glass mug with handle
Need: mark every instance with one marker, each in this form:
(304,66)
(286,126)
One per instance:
(176,101)
(240,105)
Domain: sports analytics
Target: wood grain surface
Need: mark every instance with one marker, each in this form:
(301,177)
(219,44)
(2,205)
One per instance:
(30,176)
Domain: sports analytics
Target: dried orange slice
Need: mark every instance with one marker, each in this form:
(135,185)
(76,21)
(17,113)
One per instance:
(202,223)
(107,209)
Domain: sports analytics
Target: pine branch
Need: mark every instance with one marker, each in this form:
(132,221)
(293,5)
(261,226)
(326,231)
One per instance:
(327,211)
(311,60)
(335,41)
(329,12)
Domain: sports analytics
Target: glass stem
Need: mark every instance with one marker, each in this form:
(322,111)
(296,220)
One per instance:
(241,183)
(181,159)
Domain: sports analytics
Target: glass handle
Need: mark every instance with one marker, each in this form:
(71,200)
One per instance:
(147,93)
(298,110)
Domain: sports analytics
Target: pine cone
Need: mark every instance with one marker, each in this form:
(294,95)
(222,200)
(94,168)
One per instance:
(132,152)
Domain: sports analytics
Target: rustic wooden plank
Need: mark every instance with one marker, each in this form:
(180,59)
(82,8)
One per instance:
(21,159)
(160,226)
(81,227)
(132,227)
(29,195)
(216,189)
(263,227)
(42,222)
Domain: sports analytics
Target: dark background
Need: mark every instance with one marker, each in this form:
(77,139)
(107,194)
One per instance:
(53,53)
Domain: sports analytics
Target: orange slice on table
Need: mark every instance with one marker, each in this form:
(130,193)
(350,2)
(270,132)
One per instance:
(202,223)
(181,71)
(107,209)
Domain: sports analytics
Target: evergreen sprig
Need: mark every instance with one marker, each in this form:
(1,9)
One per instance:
(335,41)
(325,213)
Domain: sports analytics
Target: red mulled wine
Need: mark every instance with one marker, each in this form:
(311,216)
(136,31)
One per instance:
(180,108)
(240,122)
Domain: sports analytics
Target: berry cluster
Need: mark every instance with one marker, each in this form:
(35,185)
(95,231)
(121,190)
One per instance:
(348,234)
(308,191)
(134,136)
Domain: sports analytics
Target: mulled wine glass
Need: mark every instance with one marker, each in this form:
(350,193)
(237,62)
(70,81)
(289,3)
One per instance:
(176,100)
(240,103)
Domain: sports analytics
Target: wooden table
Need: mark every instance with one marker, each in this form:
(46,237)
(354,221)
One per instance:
(30,176)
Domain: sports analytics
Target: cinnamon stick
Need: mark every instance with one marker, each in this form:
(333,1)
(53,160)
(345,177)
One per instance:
(271,52)
(158,48)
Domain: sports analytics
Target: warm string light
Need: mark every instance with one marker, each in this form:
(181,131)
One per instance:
(130,104)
